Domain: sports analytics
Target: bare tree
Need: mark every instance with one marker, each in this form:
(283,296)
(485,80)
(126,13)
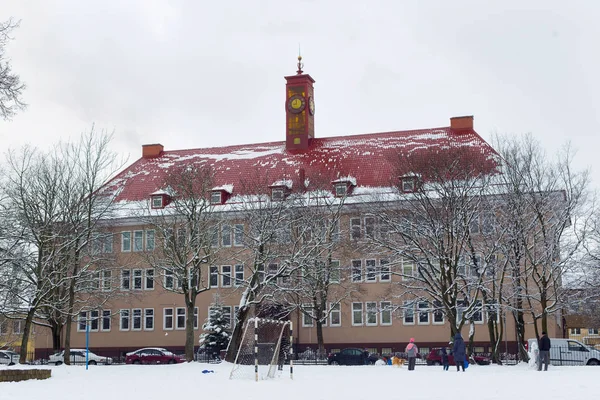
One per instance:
(11,87)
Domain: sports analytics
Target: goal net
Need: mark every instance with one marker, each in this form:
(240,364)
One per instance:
(264,350)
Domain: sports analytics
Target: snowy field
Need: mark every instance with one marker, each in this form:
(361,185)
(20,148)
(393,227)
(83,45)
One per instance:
(186,381)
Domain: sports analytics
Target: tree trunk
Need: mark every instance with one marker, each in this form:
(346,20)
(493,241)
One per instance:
(189,327)
(56,329)
(25,338)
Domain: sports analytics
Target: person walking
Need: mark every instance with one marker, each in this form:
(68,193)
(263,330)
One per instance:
(444,355)
(411,353)
(460,352)
(544,349)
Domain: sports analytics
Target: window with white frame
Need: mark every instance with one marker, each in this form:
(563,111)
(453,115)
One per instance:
(355,229)
(277,194)
(409,312)
(384,271)
(385,313)
(94,320)
(492,310)
(477,313)
(335,315)
(341,189)
(137,279)
(438,312)
(157,201)
(125,279)
(371,271)
(138,240)
(234,317)
(575,331)
(356,270)
(357,314)
(181,238)
(106,240)
(408,270)
(136,323)
(106,280)
(82,321)
(408,184)
(3,327)
(370,227)
(487,222)
(169,280)
(423,307)
(474,223)
(226,235)
(169,238)
(167,319)
(180,318)
(307,315)
(460,310)
(371,313)
(238,235)
(150,240)
(593,331)
(213,233)
(215,197)
(18,327)
(124,320)
(149,279)
(106,320)
(213,277)
(239,274)
(334,271)
(226,276)
(125,241)
(195,317)
(335,230)
(149,319)
(227,316)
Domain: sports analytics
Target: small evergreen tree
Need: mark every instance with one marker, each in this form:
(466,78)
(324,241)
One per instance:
(216,334)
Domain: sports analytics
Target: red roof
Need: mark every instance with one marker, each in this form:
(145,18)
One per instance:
(371,159)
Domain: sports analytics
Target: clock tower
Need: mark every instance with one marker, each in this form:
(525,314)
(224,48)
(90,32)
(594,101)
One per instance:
(299,110)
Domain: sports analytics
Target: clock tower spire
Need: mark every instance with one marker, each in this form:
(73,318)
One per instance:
(299,110)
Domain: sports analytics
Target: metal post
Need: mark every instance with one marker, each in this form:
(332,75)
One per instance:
(87,342)
(291,350)
(256,349)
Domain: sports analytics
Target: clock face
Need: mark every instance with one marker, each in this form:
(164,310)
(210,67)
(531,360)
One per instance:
(296,103)
(311,105)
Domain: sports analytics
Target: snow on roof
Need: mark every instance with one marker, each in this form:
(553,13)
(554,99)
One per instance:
(283,182)
(344,179)
(226,188)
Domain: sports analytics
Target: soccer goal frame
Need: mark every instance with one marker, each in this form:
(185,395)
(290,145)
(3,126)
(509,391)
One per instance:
(265,345)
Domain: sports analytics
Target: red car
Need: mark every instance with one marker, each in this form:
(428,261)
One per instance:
(153,355)
(435,358)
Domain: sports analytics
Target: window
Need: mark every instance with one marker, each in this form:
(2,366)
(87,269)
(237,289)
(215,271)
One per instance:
(385,275)
(355,231)
(356,270)
(149,319)
(369,227)
(180,318)
(138,240)
(357,313)
(277,194)
(409,313)
(215,197)
(169,280)
(213,276)
(125,279)
(575,331)
(592,331)
(371,308)
(438,312)
(477,313)
(236,309)
(106,241)
(167,318)
(149,279)
(238,235)
(487,222)
(239,275)
(408,184)
(3,327)
(335,315)
(150,242)
(341,189)
(386,313)
(407,270)
(157,202)
(195,317)
(371,271)
(334,271)
(81,321)
(226,276)
(106,280)
(335,230)
(137,279)
(136,323)
(181,238)
(95,280)
(226,235)
(106,320)
(94,320)
(307,316)
(492,310)
(213,232)
(125,241)
(18,327)
(474,223)
(423,307)
(124,320)
(227,316)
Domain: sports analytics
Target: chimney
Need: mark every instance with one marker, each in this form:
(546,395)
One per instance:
(465,122)
(151,150)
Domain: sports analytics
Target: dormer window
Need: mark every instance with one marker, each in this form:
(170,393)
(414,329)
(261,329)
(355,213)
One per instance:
(343,186)
(160,198)
(157,201)
(341,189)
(409,183)
(277,194)
(280,189)
(216,197)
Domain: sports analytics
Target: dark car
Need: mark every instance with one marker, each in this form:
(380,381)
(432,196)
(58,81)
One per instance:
(153,355)
(435,358)
(352,356)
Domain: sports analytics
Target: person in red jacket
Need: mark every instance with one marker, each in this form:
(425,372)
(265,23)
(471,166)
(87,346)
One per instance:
(544,348)
(411,353)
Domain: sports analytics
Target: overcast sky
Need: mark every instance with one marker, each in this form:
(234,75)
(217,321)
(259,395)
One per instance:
(191,74)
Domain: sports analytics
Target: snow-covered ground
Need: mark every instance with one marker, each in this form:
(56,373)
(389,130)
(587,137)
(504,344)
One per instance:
(186,381)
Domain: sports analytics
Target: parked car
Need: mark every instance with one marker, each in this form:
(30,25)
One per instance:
(153,355)
(352,356)
(435,358)
(8,357)
(78,357)
(566,352)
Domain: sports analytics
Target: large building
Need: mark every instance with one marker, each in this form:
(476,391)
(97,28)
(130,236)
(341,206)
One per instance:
(143,311)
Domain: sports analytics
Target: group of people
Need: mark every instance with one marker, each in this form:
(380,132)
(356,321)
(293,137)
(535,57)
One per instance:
(459,350)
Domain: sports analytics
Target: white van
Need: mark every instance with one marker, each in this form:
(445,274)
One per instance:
(567,352)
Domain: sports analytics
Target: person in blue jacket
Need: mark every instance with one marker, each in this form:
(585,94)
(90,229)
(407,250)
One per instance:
(460,352)
(444,355)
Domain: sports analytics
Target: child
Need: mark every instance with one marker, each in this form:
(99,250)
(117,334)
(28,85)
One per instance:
(444,355)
